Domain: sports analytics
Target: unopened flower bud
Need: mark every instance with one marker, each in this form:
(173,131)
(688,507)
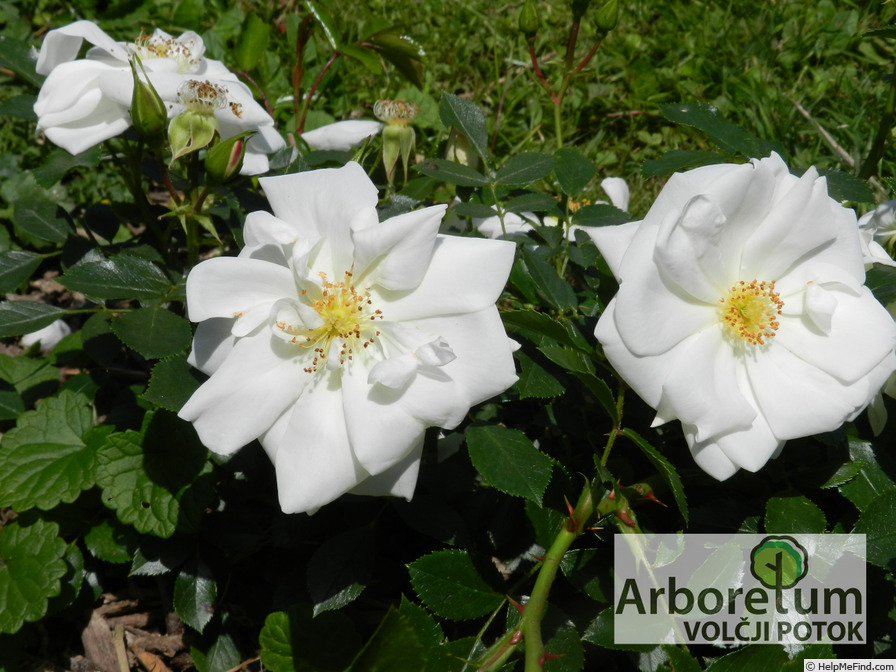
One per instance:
(528,20)
(148,113)
(460,150)
(608,16)
(579,7)
(225,159)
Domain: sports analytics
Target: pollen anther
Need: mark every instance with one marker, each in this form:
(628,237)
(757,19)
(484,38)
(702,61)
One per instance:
(749,311)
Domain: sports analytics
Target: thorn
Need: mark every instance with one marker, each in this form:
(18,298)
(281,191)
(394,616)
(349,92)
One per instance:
(548,656)
(612,496)
(517,637)
(516,605)
(626,518)
(569,507)
(572,525)
(653,498)
(540,558)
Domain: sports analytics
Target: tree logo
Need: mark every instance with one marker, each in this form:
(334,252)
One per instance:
(779,562)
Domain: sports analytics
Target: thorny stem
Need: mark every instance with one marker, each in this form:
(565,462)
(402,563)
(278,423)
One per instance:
(869,167)
(611,439)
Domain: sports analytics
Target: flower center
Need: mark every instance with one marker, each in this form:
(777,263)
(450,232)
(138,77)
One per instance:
(202,97)
(395,112)
(347,322)
(750,310)
(159,46)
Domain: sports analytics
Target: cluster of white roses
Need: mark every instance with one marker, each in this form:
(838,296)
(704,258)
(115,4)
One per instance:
(86,101)
(336,339)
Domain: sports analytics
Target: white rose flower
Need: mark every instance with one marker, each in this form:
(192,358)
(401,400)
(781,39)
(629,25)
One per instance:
(336,339)
(877,229)
(341,135)
(742,313)
(87,101)
(48,337)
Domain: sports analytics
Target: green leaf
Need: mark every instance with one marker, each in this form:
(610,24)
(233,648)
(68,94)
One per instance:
(325,21)
(98,340)
(121,277)
(394,647)
(11,404)
(876,522)
(41,219)
(508,461)
(365,57)
(455,586)
(601,214)
(49,457)
(554,289)
(14,55)
(31,566)
(573,170)
(33,379)
(681,660)
(871,481)
(571,360)
(845,187)
(565,644)
(472,209)
(679,159)
(530,202)
(253,42)
(787,515)
(524,169)
(110,541)
(146,476)
(726,136)
(428,631)
(19,107)
(564,332)
(60,162)
(339,569)
(16,266)
(154,332)
(601,633)
(452,173)
(23,317)
(667,471)
(755,657)
(581,567)
(221,656)
(172,383)
(881,280)
(189,14)
(293,641)
(467,118)
(601,392)
(402,52)
(195,592)
(535,381)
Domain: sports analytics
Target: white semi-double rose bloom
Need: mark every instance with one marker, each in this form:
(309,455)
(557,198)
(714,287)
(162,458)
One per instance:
(337,339)
(342,135)
(742,313)
(84,102)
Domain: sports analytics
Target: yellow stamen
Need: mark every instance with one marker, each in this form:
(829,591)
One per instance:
(750,310)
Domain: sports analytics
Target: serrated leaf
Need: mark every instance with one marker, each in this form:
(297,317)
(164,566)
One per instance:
(573,170)
(681,660)
(253,42)
(508,461)
(394,647)
(871,481)
(602,214)
(524,169)
(121,277)
(291,641)
(154,556)
(601,633)
(455,586)
(364,56)
(788,515)
(452,173)
(325,21)
(535,381)
(33,379)
(428,631)
(195,592)
(23,317)
(601,392)
(146,475)
(221,656)
(571,360)
(98,340)
(679,159)
(49,457)
(726,136)
(845,187)
(530,202)
(467,118)
(472,209)
(154,332)
(566,645)
(41,219)
(339,569)
(667,471)
(31,566)
(876,523)
(172,383)
(14,55)
(756,658)
(581,566)
(554,289)
(16,266)
(60,162)
(562,332)
(110,541)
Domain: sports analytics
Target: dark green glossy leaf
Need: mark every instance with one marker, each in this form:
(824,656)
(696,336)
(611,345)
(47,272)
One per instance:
(49,457)
(339,569)
(452,173)
(566,645)
(472,209)
(667,471)
(11,403)
(60,162)
(172,383)
(535,381)
(601,392)
(98,340)
(508,461)
(402,52)
(601,214)
(756,658)
(871,481)
(322,15)
(573,170)
(33,379)
(31,567)
(455,586)
(726,136)
(14,55)
(221,656)
(121,277)
(364,56)
(23,317)
(253,42)
(42,219)
(788,515)
(601,633)
(554,289)
(293,641)
(110,541)
(531,202)
(524,169)
(845,187)
(153,332)
(571,360)
(467,118)
(19,107)
(679,159)
(581,566)
(394,646)
(195,592)
(532,321)
(876,522)
(16,266)
(681,660)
